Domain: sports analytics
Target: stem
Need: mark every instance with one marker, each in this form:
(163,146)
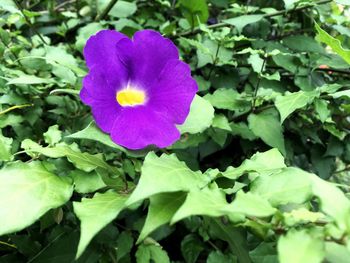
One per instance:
(106,10)
(340,71)
(7,244)
(258,84)
(16,107)
(29,23)
(218,25)
(214,61)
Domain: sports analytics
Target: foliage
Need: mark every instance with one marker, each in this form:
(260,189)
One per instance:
(260,173)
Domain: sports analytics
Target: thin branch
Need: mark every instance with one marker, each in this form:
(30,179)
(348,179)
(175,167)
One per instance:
(214,61)
(28,22)
(16,107)
(258,84)
(340,71)
(218,25)
(106,10)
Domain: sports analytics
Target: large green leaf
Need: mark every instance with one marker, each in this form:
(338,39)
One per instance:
(260,163)
(84,161)
(333,201)
(120,9)
(95,213)
(336,253)
(200,117)
(194,10)
(5,148)
(250,204)
(165,174)
(291,185)
(226,99)
(92,132)
(241,21)
(206,201)
(27,191)
(29,80)
(86,182)
(266,126)
(161,209)
(303,43)
(233,236)
(334,43)
(151,253)
(290,102)
(300,246)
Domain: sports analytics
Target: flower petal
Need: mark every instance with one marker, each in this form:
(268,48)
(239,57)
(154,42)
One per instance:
(139,127)
(100,49)
(146,56)
(173,93)
(99,91)
(101,84)
(105,114)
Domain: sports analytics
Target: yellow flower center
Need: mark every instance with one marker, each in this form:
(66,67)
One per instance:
(130,97)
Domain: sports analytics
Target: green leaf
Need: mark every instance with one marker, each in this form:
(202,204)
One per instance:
(53,135)
(200,117)
(260,163)
(83,161)
(290,102)
(209,52)
(241,129)
(85,32)
(339,94)
(309,249)
(151,253)
(86,182)
(92,132)
(58,55)
(250,204)
(28,80)
(301,215)
(206,201)
(266,126)
(291,185)
(194,10)
(95,213)
(232,235)
(334,43)
(9,5)
(28,191)
(336,253)
(333,201)
(226,99)
(241,21)
(220,121)
(161,209)
(171,176)
(321,107)
(121,9)
(303,43)
(219,257)
(290,3)
(256,62)
(191,247)
(125,243)
(5,148)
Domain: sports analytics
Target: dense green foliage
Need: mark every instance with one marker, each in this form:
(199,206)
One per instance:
(260,173)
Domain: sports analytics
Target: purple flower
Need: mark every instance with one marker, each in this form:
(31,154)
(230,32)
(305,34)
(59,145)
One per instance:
(138,89)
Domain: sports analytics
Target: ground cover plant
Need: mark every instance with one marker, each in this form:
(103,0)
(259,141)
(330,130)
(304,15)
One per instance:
(257,172)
